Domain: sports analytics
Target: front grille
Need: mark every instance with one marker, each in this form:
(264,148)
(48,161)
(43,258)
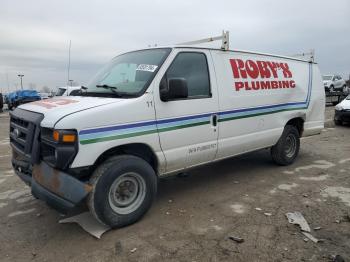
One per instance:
(24,136)
(21,135)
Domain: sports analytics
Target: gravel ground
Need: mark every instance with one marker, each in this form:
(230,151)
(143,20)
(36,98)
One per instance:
(193,217)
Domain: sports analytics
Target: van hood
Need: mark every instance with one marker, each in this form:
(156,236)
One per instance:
(56,108)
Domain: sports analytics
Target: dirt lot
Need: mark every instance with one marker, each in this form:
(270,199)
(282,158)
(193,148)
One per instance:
(193,216)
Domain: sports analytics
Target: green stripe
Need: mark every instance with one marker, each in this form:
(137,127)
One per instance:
(109,138)
(259,114)
(166,129)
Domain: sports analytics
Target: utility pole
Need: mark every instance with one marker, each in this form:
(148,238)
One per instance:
(70,44)
(21,76)
(7,80)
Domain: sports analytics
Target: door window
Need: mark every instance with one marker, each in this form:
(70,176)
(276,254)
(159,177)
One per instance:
(193,67)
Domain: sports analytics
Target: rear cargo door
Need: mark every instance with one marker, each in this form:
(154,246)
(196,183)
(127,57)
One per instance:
(187,128)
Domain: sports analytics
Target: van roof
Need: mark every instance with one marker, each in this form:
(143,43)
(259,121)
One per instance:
(235,50)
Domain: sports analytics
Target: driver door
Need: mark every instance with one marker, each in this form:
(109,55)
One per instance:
(187,127)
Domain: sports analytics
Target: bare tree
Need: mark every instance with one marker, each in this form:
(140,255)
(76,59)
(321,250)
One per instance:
(45,89)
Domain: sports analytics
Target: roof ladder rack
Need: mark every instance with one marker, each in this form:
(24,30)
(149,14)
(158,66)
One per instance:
(224,37)
(311,54)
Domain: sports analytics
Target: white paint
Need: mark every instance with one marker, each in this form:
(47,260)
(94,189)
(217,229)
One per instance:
(314,178)
(217,228)
(344,160)
(2,180)
(21,212)
(322,164)
(5,195)
(238,208)
(273,191)
(343,193)
(4,156)
(3,205)
(25,199)
(288,172)
(287,186)
(258,209)
(9,172)
(19,194)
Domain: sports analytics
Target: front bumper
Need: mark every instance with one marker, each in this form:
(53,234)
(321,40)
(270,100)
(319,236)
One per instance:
(343,115)
(58,189)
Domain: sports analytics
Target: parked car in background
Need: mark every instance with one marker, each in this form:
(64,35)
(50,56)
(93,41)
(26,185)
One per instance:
(68,91)
(342,111)
(20,97)
(1,102)
(44,95)
(334,83)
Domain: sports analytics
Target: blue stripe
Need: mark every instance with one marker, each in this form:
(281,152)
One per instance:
(147,125)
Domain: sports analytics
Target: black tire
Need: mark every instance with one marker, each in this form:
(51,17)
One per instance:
(101,200)
(287,147)
(338,122)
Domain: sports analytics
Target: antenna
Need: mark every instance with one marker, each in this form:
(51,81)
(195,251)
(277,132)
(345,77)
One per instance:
(225,37)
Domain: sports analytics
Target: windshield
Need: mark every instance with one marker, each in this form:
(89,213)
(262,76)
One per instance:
(128,74)
(327,77)
(60,91)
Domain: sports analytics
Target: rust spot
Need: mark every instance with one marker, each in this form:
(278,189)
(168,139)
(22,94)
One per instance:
(88,188)
(37,174)
(55,181)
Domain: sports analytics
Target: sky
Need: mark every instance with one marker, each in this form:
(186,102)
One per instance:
(35,35)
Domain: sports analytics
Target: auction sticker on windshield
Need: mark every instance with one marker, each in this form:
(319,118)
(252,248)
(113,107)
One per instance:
(148,68)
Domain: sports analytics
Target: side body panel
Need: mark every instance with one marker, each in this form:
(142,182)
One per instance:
(252,114)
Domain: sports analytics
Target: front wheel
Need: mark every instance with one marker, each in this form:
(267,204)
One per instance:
(124,188)
(287,147)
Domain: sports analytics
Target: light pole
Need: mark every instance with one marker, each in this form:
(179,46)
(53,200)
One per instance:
(21,76)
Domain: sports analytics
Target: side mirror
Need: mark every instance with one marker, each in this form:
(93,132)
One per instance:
(176,89)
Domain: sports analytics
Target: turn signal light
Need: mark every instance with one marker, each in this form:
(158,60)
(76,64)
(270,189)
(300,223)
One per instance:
(68,138)
(56,136)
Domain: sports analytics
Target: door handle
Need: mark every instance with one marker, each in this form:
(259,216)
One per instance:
(214,120)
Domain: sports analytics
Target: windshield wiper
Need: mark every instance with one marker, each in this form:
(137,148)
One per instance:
(112,88)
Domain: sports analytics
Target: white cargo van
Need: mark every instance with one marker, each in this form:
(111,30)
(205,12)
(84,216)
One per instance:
(156,112)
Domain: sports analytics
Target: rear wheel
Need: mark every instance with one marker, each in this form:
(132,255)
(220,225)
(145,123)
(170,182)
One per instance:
(124,188)
(287,147)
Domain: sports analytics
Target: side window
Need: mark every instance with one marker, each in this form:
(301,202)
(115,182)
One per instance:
(75,92)
(193,68)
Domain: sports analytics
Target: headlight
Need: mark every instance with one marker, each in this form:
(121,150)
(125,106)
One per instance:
(58,147)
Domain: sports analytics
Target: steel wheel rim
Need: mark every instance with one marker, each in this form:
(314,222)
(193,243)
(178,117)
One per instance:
(291,146)
(127,193)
